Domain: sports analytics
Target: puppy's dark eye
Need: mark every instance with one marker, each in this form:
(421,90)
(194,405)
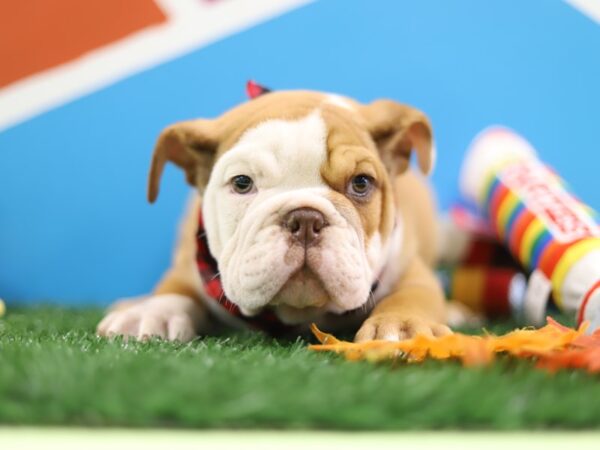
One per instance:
(242,184)
(360,186)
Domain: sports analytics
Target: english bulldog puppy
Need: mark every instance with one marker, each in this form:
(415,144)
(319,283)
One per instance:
(305,210)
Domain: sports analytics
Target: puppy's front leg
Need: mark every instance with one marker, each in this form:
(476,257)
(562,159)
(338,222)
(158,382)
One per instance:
(174,312)
(417,306)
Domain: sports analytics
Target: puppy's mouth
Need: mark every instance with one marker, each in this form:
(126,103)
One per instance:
(303,293)
(302,290)
(302,298)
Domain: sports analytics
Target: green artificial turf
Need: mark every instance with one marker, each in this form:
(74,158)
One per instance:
(54,370)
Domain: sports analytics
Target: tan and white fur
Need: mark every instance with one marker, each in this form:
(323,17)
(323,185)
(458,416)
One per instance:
(303,151)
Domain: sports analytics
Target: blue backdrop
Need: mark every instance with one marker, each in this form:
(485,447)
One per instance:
(74,223)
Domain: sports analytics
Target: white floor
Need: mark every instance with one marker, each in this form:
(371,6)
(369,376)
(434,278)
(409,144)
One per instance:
(91,439)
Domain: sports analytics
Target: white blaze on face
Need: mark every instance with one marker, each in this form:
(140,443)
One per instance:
(255,254)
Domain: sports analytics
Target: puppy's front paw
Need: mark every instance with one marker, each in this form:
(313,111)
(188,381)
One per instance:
(392,327)
(168,316)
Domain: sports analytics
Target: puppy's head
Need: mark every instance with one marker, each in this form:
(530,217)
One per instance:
(297,199)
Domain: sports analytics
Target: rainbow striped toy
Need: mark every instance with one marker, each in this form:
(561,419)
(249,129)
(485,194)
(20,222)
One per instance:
(546,228)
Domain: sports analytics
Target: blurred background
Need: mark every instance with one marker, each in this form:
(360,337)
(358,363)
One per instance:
(86,86)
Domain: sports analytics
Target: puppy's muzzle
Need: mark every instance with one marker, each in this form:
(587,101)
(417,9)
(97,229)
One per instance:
(305,225)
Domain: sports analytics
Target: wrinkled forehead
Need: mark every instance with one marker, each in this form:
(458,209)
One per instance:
(300,129)
(281,153)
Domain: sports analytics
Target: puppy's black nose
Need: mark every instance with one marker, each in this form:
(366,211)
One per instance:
(305,225)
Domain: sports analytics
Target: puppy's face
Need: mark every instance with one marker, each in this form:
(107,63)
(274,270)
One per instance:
(297,199)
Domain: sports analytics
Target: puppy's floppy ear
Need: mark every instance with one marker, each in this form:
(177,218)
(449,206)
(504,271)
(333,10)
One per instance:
(397,130)
(190,145)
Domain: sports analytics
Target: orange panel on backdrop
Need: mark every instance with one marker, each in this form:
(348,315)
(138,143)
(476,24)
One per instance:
(39,34)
